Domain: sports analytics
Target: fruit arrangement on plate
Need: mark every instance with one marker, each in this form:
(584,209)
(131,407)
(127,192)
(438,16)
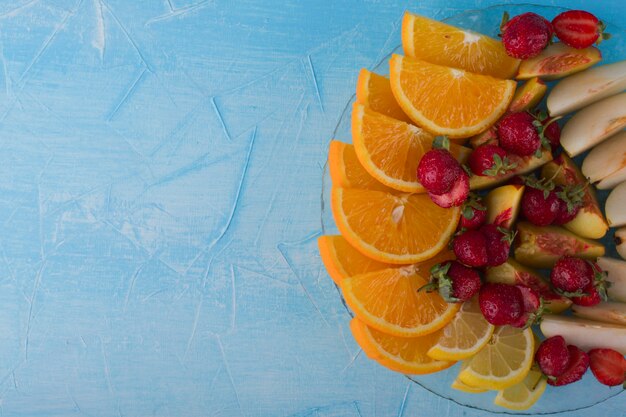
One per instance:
(467,231)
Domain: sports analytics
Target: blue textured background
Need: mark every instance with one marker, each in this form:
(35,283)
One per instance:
(160,176)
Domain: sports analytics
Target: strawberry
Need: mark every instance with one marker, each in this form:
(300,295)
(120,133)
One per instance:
(590,298)
(570,202)
(608,366)
(470,248)
(552,356)
(498,240)
(539,206)
(454,281)
(579,29)
(474,213)
(595,291)
(519,135)
(570,276)
(576,367)
(552,132)
(438,171)
(525,35)
(457,194)
(533,308)
(501,303)
(490,160)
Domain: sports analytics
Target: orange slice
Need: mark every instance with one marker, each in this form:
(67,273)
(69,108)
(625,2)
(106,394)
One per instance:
(346,171)
(374,91)
(400,354)
(396,228)
(390,150)
(448,101)
(442,44)
(388,300)
(342,260)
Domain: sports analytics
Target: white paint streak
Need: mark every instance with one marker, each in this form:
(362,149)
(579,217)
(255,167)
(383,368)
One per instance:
(99,40)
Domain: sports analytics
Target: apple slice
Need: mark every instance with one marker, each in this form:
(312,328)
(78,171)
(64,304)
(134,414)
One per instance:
(615,207)
(585,334)
(593,124)
(607,312)
(557,61)
(589,221)
(513,273)
(605,165)
(503,205)
(528,95)
(586,87)
(524,165)
(620,242)
(541,247)
(616,275)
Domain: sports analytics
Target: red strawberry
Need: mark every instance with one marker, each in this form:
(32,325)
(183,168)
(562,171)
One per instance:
(540,206)
(501,303)
(579,29)
(457,194)
(552,356)
(570,202)
(533,307)
(490,160)
(474,213)
(571,275)
(576,367)
(454,281)
(498,240)
(608,366)
(526,35)
(552,132)
(518,134)
(591,297)
(595,291)
(471,248)
(438,171)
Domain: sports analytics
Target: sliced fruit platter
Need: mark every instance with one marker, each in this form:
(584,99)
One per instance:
(470,231)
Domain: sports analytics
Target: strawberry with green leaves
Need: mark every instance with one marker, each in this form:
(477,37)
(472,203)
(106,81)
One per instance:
(454,281)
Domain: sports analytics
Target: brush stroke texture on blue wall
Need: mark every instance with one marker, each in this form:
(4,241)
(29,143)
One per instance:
(160,178)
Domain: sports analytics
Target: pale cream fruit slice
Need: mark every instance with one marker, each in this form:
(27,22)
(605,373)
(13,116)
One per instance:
(585,334)
(607,312)
(503,362)
(593,124)
(615,206)
(605,165)
(616,275)
(586,87)
(465,335)
(525,394)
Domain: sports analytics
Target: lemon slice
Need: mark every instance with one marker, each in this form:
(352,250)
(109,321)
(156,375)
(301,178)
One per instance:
(503,362)
(523,395)
(462,386)
(464,336)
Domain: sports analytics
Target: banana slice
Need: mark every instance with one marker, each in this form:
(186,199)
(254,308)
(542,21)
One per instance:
(616,271)
(593,124)
(585,334)
(605,166)
(586,87)
(607,312)
(615,206)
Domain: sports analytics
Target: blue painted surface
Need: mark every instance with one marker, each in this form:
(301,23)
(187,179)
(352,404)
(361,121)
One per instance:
(160,179)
